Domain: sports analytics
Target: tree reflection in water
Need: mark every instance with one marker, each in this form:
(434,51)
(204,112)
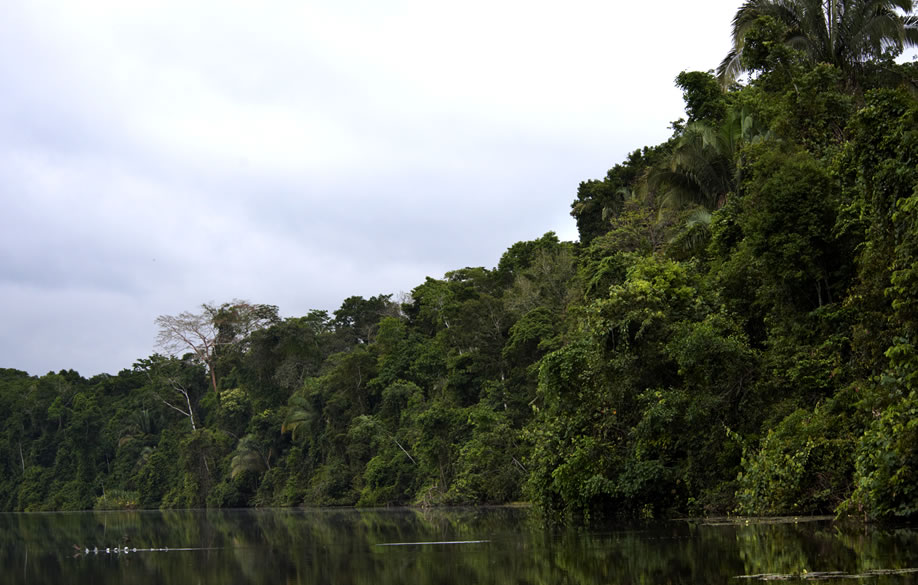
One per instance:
(497,545)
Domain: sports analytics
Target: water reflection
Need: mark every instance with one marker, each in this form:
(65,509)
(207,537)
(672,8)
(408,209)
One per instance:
(495,545)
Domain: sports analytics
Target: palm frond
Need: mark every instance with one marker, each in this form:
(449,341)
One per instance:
(845,33)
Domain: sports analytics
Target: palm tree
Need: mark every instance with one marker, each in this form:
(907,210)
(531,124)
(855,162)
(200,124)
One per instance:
(696,174)
(300,415)
(702,169)
(844,33)
(249,457)
(693,235)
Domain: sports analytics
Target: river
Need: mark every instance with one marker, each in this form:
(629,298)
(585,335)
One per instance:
(441,546)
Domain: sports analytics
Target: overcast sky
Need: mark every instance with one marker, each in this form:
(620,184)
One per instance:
(158,155)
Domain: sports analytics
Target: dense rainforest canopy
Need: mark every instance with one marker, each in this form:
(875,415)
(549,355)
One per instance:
(734,332)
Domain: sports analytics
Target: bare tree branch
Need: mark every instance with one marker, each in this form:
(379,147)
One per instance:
(202,333)
(155,366)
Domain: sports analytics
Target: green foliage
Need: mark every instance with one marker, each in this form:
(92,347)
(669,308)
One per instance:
(530,336)
(765,52)
(197,468)
(489,467)
(703,95)
(787,223)
(118,500)
(358,319)
(598,201)
(735,331)
(886,463)
(603,443)
(802,466)
(390,478)
(521,255)
(844,34)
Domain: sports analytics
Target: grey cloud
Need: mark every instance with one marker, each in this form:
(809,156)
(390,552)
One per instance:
(152,159)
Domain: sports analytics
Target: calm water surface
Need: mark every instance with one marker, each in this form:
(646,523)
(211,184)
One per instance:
(379,547)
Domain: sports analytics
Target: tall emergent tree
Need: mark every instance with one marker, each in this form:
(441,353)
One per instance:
(844,33)
(203,333)
(190,332)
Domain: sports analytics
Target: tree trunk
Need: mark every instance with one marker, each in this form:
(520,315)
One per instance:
(213,377)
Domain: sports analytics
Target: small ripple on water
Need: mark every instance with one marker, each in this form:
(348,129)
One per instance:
(820,575)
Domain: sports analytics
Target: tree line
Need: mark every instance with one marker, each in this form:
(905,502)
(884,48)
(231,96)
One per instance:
(734,332)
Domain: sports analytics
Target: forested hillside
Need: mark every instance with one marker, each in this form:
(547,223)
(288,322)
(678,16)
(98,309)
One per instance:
(734,332)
